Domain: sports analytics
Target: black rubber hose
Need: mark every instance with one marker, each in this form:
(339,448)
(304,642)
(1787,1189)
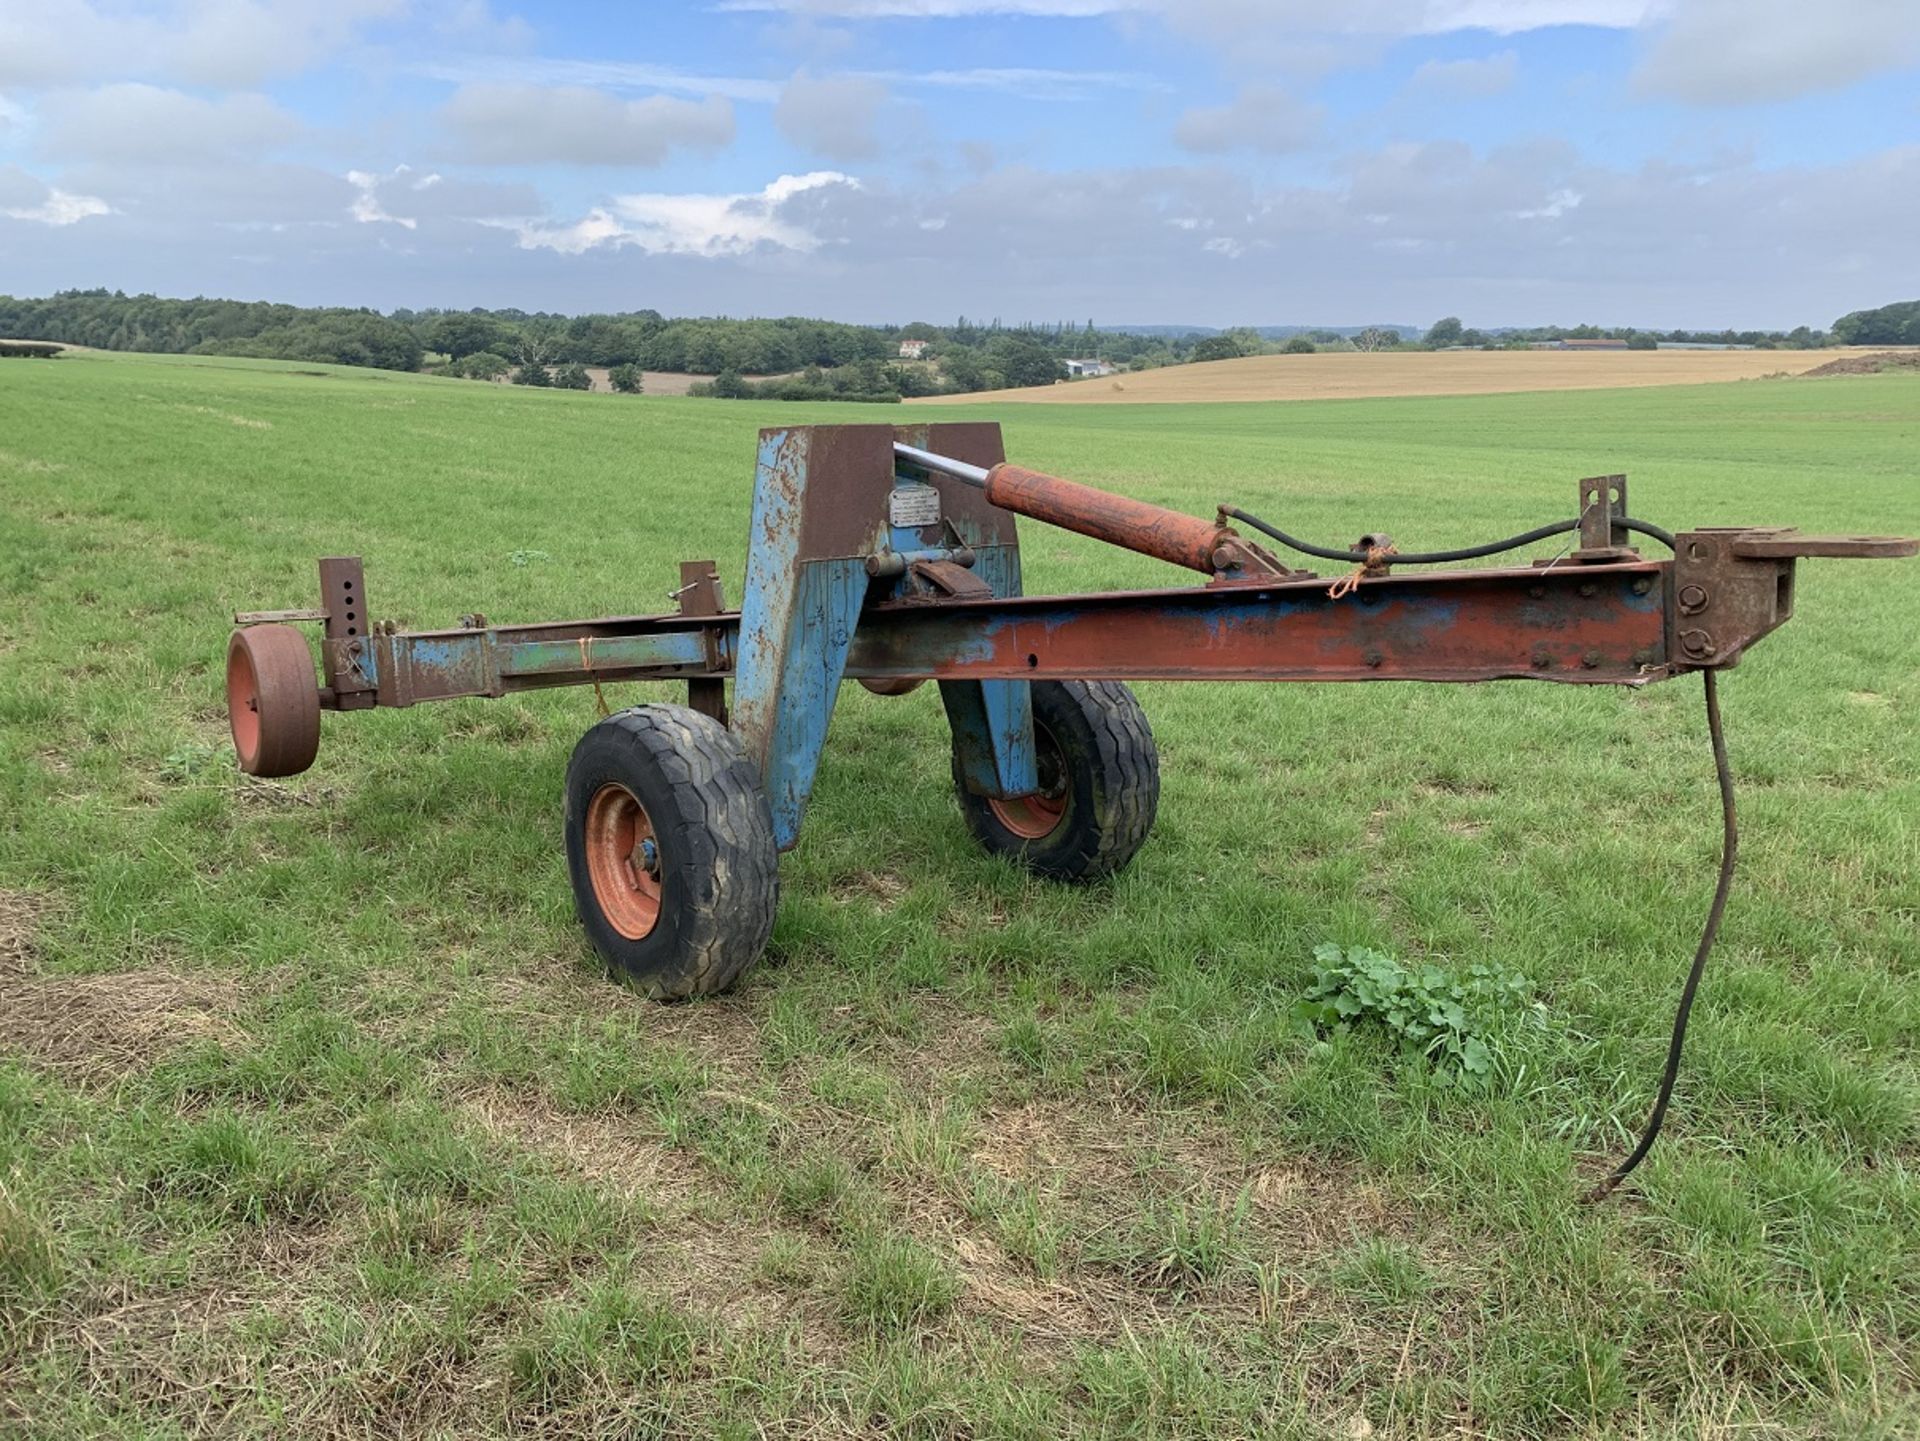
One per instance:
(1729,846)
(1647,527)
(1435,557)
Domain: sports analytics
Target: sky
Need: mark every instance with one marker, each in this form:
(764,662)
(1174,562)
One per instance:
(1697,163)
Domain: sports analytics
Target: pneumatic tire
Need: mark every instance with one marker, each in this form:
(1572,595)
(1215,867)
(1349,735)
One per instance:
(1099,786)
(670,850)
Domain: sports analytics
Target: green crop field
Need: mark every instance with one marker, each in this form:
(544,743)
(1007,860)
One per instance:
(317,1117)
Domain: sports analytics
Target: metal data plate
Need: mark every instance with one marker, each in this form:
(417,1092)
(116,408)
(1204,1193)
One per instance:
(913,507)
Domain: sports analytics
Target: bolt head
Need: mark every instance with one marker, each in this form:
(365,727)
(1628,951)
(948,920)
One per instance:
(1693,599)
(1697,643)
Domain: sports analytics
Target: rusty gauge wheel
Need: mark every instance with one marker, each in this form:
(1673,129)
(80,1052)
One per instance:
(1099,780)
(670,849)
(273,700)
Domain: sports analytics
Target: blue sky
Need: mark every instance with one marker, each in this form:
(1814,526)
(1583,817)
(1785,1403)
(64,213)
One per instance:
(1655,162)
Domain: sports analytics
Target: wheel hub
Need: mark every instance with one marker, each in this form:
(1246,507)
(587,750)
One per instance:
(623,861)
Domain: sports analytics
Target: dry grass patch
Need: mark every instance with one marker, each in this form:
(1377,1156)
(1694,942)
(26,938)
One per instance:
(710,1255)
(96,1029)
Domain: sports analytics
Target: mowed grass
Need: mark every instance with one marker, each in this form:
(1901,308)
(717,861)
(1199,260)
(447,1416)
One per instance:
(317,1117)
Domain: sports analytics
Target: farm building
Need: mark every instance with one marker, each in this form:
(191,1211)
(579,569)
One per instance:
(912,349)
(1077,369)
(1589,345)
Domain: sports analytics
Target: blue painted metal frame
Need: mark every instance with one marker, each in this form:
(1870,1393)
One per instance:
(991,720)
(797,619)
(820,509)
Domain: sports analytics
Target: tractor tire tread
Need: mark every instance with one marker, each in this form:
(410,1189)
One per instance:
(719,833)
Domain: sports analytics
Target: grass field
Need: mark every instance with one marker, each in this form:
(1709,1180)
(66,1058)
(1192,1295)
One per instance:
(1346,375)
(316,1118)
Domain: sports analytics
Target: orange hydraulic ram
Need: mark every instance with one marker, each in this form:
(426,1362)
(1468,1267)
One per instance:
(1186,540)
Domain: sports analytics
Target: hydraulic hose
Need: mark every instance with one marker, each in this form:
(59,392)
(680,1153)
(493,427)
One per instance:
(1437,557)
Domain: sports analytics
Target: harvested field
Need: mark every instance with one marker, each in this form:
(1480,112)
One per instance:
(1349,375)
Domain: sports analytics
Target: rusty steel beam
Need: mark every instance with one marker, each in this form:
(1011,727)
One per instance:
(1596,624)
(1601,624)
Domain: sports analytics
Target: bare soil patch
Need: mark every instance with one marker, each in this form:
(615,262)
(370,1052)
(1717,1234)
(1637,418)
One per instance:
(1352,375)
(1876,363)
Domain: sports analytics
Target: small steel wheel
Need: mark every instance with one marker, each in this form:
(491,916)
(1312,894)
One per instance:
(1099,786)
(670,850)
(273,700)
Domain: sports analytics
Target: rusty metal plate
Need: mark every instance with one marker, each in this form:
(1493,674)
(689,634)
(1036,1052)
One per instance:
(1791,545)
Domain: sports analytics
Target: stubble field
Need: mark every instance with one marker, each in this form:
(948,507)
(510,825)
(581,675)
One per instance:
(317,1118)
(1342,375)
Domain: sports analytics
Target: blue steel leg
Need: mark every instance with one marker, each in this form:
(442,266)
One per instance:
(992,724)
(788,676)
(797,618)
(993,720)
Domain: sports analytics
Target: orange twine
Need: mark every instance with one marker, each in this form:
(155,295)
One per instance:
(1374,564)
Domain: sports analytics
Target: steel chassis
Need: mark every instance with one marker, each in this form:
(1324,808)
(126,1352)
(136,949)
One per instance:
(888,555)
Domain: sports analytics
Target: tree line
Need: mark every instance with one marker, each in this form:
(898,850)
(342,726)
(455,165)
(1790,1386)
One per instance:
(799,358)
(1896,324)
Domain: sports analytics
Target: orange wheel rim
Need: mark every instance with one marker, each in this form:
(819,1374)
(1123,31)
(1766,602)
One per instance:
(243,706)
(1034,815)
(623,861)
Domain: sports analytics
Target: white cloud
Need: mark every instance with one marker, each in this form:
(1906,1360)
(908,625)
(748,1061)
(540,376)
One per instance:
(198,42)
(1557,204)
(1744,52)
(1259,118)
(25,197)
(570,124)
(61,207)
(832,115)
(143,124)
(701,225)
(1511,17)
(599,74)
(1402,17)
(934,9)
(1466,79)
(367,208)
(473,22)
(1028,82)
(242,42)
